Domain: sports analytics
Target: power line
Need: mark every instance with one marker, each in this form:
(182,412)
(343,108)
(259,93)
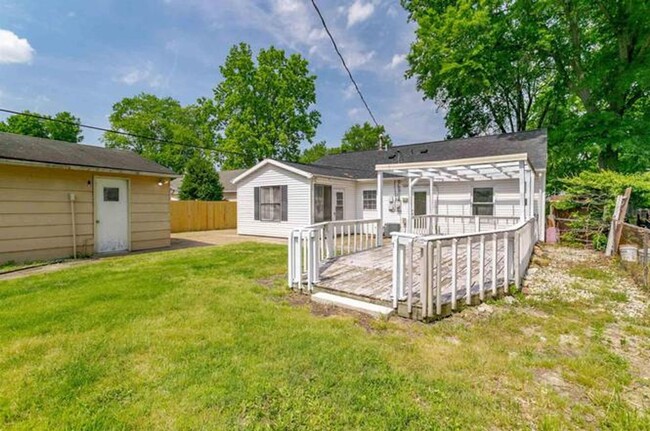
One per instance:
(117,132)
(336,48)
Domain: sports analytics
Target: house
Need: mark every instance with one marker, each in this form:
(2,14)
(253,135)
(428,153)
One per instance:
(463,216)
(276,197)
(226,177)
(59,199)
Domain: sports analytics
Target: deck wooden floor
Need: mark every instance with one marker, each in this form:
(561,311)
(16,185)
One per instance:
(368,274)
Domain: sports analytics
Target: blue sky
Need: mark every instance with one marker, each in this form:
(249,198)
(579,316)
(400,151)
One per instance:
(83,56)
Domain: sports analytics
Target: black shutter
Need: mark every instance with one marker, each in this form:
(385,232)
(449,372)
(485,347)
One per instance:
(285,203)
(256,204)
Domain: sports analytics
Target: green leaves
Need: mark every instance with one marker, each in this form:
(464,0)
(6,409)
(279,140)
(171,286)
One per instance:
(40,128)
(261,109)
(201,181)
(149,116)
(579,68)
(364,136)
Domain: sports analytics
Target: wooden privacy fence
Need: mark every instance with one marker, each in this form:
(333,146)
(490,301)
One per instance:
(186,216)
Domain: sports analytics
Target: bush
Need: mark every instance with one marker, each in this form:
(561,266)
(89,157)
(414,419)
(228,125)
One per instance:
(201,181)
(590,199)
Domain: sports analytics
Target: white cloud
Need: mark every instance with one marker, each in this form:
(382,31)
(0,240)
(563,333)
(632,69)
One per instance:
(396,61)
(292,23)
(144,74)
(14,49)
(359,12)
(349,92)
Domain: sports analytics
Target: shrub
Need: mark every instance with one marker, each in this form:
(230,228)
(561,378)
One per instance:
(590,199)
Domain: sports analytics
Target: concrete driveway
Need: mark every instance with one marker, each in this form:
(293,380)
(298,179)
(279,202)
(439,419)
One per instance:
(217,237)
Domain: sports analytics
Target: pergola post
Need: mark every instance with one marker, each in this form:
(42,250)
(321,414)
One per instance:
(532,194)
(542,207)
(380,207)
(432,210)
(409,215)
(522,191)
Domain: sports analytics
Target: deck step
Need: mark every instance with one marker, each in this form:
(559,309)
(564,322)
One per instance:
(352,304)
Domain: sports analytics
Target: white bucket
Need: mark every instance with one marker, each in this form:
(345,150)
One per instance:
(629,253)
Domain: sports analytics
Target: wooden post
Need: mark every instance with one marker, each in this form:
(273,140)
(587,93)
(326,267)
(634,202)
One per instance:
(424,279)
(438,278)
(409,214)
(531,195)
(522,191)
(380,208)
(621,219)
(454,272)
(468,287)
(495,240)
(395,271)
(517,260)
(506,263)
(481,269)
(645,259)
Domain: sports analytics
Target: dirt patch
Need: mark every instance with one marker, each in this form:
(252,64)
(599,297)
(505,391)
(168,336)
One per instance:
(553,379)
(271,282)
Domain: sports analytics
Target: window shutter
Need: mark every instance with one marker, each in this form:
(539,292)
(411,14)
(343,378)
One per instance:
(285,203)
(256,204)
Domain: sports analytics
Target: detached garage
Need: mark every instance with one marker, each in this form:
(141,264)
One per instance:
(58,199)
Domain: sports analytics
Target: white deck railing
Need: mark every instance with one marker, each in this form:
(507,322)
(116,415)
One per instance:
(510,250)
(439,224)
(312,245)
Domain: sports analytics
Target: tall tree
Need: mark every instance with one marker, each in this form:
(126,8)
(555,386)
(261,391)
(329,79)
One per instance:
(262,108)
(578,67)
(364,136)
(164,119)
(315,152)
(43,128)
(201,181)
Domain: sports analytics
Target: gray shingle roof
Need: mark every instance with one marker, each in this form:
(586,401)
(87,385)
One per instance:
(40,150)
(333,171)
(361,164)
(226,178)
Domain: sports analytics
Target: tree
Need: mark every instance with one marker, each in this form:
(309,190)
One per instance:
(316,152)
(262,109)
(164,119)
(42,128)
(201,181)
(577,67)
(364,137)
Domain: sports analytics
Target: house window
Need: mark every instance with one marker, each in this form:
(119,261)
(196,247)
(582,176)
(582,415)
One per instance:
(271,203)
(483,201)
(111,194)
(370,199)
(322,203)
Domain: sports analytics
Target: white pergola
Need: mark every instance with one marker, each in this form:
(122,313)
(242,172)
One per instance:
(511,166)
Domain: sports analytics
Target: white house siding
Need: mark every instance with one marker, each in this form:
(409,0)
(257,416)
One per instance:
(349,189)
(298,201)
(454,198)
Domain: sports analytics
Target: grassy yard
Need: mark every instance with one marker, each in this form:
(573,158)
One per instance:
(210,338)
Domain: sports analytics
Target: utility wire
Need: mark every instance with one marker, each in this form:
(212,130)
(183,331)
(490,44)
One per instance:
(336,48)
(117,132)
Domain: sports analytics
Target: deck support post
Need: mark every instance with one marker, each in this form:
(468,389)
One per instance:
(380,208)
(432,210)
(541,212)
(522,191)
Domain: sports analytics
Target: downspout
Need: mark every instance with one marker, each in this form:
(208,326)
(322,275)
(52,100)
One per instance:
(74,226)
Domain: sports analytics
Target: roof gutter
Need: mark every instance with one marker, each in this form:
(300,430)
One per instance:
(83,168)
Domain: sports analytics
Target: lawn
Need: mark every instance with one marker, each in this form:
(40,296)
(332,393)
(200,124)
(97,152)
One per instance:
(210,338)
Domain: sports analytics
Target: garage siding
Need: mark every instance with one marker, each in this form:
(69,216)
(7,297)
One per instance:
(35,217)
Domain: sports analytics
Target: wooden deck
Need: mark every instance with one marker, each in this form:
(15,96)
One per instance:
(368,274)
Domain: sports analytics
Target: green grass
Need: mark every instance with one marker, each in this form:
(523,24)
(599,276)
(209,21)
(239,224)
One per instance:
(210,338)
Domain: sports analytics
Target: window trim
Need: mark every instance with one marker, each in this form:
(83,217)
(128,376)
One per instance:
(483,204)
(277,206)
(366,202)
